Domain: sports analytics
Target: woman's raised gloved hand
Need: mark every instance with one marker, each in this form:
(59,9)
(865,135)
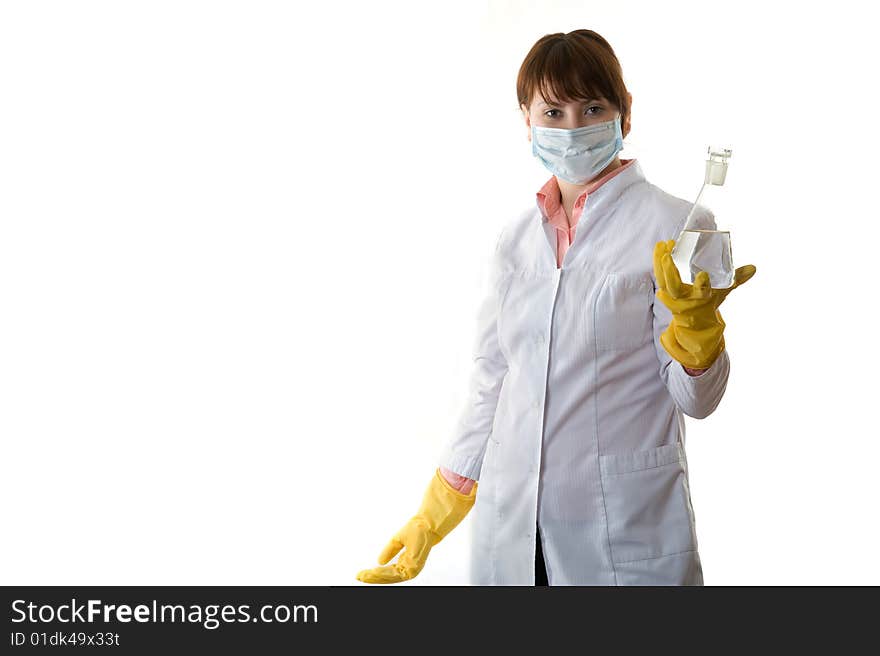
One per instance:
(442,510)
(695,335)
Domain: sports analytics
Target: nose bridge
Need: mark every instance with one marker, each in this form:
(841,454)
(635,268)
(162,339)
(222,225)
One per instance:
(575,117)
(580,122)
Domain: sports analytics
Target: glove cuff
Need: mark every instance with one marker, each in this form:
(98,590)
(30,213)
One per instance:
(443,507)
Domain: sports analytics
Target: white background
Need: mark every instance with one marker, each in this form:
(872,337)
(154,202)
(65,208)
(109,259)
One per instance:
(243,245)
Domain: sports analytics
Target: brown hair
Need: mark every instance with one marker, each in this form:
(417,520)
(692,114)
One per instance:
(573,66)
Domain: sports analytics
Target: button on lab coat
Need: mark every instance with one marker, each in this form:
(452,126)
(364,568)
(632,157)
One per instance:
(574,416)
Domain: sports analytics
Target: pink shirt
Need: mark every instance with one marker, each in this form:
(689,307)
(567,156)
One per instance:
(550,198)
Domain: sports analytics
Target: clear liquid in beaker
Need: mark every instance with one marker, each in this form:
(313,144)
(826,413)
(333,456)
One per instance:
(704,250)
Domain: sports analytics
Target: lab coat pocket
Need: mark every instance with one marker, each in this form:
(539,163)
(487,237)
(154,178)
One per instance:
(623,311)
(647,503)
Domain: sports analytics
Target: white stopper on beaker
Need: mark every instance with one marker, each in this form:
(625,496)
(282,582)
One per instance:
(716,166)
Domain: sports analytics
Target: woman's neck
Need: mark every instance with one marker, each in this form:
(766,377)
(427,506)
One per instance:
(569,192)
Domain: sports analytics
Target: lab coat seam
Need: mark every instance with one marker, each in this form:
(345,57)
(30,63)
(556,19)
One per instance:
(692,515)
(612,472)
(558,274)
(598,441)
(639,560)
(663,370)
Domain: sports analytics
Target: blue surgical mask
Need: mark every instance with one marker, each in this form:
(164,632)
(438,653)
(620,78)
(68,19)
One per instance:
(577,155)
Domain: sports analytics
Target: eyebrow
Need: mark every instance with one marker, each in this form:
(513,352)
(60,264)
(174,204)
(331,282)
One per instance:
(589,100)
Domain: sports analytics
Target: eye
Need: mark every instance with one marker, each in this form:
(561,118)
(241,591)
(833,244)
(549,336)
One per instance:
(598,109)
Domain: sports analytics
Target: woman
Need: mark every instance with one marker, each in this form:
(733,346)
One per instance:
(574,421)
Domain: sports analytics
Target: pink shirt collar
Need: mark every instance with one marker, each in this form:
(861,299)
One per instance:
(550,197)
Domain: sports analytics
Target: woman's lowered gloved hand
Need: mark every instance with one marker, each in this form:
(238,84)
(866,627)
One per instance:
(442,510)
(695,335)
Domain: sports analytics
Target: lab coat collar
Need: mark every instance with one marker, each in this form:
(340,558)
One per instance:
(607,193)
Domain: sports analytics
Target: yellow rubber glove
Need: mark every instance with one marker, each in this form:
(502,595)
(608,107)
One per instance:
(695,335)
(443,508)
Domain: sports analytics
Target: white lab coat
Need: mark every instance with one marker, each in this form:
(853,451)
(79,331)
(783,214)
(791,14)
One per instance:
(574,415)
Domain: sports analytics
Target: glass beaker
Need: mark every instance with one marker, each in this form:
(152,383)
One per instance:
(698,249)
(704,250)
